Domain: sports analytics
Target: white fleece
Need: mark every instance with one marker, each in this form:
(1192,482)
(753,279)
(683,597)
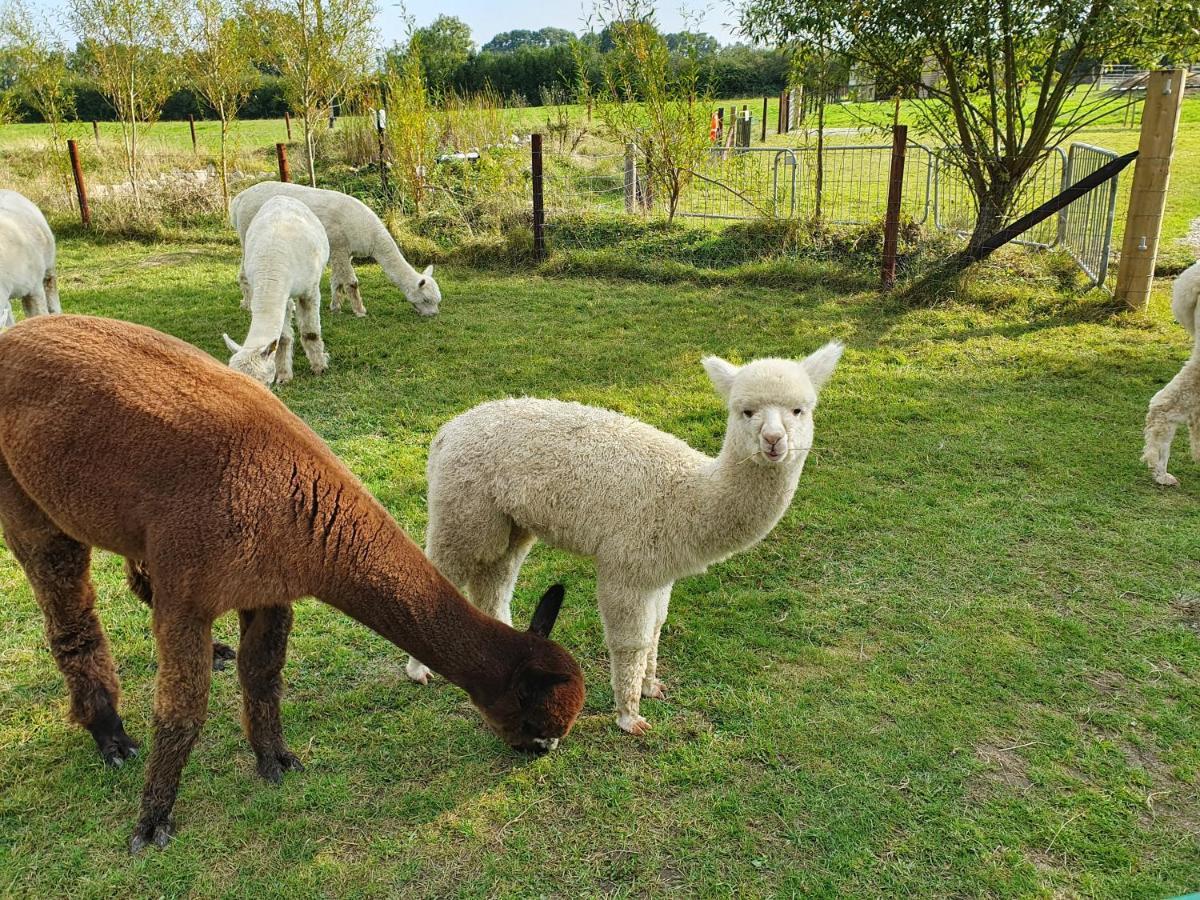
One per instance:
(354,231)
(646,506)
(1179,400)
(27,259)
(284,256)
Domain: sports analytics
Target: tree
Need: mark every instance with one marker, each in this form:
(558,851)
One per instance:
(38,57)
(128,52)
(411,127)
(512,41)
(218,58)
(698,43)
(998,82)
(319,48)
(444,45)
(647,102)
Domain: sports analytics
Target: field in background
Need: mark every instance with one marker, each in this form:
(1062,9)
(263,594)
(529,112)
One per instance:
(967,661)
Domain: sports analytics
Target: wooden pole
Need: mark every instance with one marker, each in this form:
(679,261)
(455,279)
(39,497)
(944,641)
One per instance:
(631,201)
(720,125)
(285,173)
(1148,198)
(287,121)
(539,207)
(192,125)
(96,131)
(891,222)
(85,212)
(763,138)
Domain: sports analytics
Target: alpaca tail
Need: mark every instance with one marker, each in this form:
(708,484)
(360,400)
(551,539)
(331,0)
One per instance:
(1185,298)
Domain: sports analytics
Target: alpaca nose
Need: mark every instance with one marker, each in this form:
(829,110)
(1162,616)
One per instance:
(772,437)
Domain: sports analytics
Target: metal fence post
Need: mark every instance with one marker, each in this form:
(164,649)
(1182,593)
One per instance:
(285,173)
(96,131)
(192,125)
(630,178)
(891,223)
(539,207)
(85,212)
(763,139)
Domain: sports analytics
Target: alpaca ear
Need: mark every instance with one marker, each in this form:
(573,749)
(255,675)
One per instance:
(820,365)
(546,613)
(428,273)
(268,350)
(231,344)
(720,373)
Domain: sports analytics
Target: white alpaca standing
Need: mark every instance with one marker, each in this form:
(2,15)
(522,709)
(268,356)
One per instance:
(1179,401)
(353,230)
(285,254)
(646,506)
(27,257)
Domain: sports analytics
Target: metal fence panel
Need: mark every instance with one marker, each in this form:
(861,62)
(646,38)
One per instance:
(1085,227)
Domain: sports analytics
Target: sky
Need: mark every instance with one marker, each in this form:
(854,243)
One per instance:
(489,18)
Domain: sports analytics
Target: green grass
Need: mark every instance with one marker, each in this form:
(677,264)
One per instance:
(966,663)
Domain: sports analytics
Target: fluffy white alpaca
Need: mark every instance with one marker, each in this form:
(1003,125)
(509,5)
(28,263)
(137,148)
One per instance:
(353,230)
(1179,401)
(285,251)
(646,506)
(27,253)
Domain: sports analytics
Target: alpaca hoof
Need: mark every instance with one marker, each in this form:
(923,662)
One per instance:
(360,313)
(222,654)
(271,766)
(146,834)
(318,368)
(654,690)
(635,725)
(417,672)
(283,378)
(116,749)
(1166,479)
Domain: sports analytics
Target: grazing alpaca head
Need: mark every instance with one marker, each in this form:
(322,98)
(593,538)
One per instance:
(544,693)
(771,403)
(257,362)
(425,295)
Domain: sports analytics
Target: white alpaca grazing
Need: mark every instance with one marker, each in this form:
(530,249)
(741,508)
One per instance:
(285,251)
(27,252)
(1179,401)
(353,230)
(646,506)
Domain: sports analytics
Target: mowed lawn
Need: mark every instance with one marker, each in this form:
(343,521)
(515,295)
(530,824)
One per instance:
(967,661)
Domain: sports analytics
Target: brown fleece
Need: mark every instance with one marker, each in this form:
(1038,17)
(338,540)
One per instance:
(142,445)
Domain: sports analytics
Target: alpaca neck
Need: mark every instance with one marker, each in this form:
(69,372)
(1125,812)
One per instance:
(392,261)
(268,309)
(387,584)
(739,501)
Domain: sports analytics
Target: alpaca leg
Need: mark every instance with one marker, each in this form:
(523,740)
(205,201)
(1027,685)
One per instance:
(1194,430)
(344,283)
(490,587)
(260,663)
(7,320)
(651,686)
(629,616)
(287,346)
(1168,408)
(50,286)
(184,642)
(308,317)
(244,284)
(58,569)
(138,578)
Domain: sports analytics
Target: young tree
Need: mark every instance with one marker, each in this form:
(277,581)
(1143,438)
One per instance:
(38,57)
(128,43)
(649,102)
(218,59)
(998,82)
(320,48)
(411,127)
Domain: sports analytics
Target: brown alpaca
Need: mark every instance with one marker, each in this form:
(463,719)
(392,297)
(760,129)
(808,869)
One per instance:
(115,436)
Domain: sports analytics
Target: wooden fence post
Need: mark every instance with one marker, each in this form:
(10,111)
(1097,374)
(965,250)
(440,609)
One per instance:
(539,206)
(763,139)
(285,173)
(192,125)
(85,212)
(891,223)
(96,131)
(287,121)
(631,201)
(1148,198)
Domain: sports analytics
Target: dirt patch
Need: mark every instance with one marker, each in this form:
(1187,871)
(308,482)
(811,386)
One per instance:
(1187,607)
(1005,766)
(172,259)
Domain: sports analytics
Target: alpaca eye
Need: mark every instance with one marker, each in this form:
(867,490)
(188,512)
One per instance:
(798,412)
(748,413)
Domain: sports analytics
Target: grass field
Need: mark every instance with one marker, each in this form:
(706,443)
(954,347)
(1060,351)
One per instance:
(966,663)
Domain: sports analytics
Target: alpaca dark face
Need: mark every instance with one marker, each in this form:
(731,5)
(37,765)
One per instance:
(545,692)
